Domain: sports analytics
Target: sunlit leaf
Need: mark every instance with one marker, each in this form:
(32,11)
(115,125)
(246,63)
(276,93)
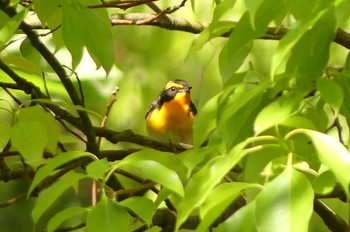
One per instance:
(10,26)
(286,204)
(108,216)
(281,109)
(331,153)
(324,183)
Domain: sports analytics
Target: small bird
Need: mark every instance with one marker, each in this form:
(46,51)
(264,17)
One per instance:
(171,115)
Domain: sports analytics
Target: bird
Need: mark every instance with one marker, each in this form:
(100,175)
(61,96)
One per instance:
(170,117)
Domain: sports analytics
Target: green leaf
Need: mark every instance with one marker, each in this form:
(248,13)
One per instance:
(210,32)
(281,109)
(98,168)
(287,43)
(332,153)
(155,171)
(73,31)
(142,207)
(64,215)
(38,114)
(5,134)
(222,8)
(286,204)
(52,193)
(30,139)
(331,92)
(45,9)
(239,105)
(218,200)
(108,216)
(81,27)
(242,220)
(202,182)
(10,26)
(167,159)
(56,162)
(324,183)
(205,121)
(193,157)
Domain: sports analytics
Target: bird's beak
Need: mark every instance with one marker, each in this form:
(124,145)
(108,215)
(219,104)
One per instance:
(186,89)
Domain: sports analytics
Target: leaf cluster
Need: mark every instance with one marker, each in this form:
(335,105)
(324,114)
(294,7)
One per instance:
(268,148)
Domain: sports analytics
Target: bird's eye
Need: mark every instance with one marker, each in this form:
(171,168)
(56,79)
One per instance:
(173,88)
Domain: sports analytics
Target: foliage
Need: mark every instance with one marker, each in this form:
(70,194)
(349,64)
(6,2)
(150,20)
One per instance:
(270,147)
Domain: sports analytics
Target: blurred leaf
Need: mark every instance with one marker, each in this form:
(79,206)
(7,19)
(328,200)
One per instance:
(5,134)
(218,200)
(155,171)
(38,114)
(299,60)
(10,26)
(205,121)
(98,168)
(331,93)
(299,121)
(54,163)
(108,216)
(242,220)
(64,215)
(30,139)
(210,32)
(324,183)
(45,9)
(29,52)
(222,8)
(286,203)
(142,207)
(52,193)
(332,153)
(281,109)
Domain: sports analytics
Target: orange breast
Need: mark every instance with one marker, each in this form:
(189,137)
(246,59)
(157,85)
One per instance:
(173,120)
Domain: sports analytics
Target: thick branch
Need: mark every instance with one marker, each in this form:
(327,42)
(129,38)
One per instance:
(181,24)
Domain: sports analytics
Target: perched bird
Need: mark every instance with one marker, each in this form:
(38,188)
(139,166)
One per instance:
(171,115)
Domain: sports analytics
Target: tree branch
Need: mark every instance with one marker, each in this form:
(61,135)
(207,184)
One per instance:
(330,218)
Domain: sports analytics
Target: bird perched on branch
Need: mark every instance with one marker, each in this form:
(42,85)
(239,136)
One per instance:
(171,115)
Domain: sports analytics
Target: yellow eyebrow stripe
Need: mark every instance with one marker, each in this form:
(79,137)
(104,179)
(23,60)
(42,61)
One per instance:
(173,84)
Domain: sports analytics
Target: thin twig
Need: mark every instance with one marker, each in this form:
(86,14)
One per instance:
(13,200)
(45,85)
(108,109)
(121,4)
